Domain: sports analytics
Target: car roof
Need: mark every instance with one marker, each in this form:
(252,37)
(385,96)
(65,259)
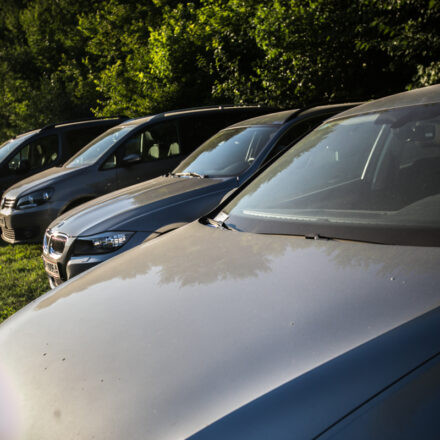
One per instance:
(85,121)
(425,95)
(28,133)
(67,124)
(280,118)
(96,121)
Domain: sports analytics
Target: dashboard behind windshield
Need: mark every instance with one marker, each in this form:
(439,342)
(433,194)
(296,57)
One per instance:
(228,153)
(373,177)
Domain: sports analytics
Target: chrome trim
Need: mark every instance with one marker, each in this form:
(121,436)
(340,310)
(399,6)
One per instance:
(7,203)
(46,239)
(48,242)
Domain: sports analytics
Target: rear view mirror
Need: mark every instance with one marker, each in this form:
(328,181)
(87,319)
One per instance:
(131,159)
(417,133)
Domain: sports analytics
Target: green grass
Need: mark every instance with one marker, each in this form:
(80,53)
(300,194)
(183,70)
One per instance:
(22,277)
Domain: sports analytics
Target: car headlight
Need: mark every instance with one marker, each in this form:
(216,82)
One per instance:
(101,243)
(34,199)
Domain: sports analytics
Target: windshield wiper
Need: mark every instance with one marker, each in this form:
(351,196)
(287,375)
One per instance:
(218,224)
(219,221)
(189,174)
(317,237)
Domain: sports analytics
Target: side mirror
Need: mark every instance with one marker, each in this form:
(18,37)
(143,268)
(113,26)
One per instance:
(131,159)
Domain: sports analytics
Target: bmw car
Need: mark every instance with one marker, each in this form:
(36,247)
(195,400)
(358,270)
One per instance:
(306,306)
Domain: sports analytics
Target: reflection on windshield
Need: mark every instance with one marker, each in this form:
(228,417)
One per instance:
(378,171)
(10,145)
(229,153)
(98,147)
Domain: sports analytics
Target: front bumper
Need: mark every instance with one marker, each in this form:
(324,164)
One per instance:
(69,266)
(28,225)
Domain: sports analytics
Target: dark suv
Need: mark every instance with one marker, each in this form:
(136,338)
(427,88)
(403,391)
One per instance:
(134,151)
(37,150)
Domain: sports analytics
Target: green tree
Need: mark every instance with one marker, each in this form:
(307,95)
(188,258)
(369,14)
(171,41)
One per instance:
(408,32)
(41,64)
(60,59)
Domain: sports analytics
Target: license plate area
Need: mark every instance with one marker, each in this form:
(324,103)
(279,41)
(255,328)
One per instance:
(51,268)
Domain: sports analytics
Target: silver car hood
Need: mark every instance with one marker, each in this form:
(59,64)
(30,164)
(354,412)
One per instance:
(178,333)
(129,207)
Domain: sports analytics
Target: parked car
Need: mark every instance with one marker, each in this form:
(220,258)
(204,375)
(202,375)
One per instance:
(116,222)
(131,152)
(306,306)
(32,152)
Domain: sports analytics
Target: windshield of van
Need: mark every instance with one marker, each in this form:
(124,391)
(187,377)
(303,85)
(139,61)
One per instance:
(10,145)
(228,153)
(374,177)
(98,147)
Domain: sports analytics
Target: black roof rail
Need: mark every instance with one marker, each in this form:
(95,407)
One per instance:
(73,121)
(319,104)
(307,107)
(210,107)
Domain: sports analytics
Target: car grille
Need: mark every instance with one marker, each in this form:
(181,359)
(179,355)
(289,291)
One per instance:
(54,244)
(14,235)
(46,239)
(57,244)
(8,234)
(8,203)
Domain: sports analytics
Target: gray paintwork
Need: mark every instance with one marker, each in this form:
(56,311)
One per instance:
(44,179)
(141,207)
(206,325)
(162,204)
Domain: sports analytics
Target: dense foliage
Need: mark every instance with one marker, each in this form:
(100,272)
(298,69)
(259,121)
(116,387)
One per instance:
(63,59)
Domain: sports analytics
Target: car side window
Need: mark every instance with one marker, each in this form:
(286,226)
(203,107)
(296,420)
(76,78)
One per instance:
(295,132)
(40,153)
(110,163)
(156,142)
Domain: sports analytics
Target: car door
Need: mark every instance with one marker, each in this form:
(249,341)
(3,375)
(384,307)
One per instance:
(8,177)
(33,157)
(149,153)
(38,154)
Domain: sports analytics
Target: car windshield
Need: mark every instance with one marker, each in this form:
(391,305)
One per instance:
(228,153)
(373,177)
(10,145)
(98,147)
